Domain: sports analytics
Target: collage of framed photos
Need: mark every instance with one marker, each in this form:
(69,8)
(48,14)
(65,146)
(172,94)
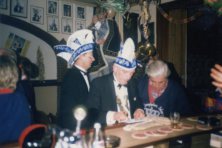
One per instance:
(19,8)
(68,13)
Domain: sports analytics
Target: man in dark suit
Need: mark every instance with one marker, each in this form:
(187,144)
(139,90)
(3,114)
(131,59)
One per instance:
(113,97)
(75,86)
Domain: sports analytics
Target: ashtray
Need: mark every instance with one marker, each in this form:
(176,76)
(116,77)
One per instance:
(112,141)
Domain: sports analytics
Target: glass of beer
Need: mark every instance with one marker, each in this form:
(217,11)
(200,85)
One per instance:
(175,119)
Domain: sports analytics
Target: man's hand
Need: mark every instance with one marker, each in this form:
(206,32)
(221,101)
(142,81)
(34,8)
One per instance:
(120,116)
(138,114)
(216,74)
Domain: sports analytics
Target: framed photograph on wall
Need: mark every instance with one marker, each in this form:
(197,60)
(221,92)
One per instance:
(52,7)
(53,23)
(17,43)
(3,4)
(36,15)
(80,25)
(80,12)
(19,8)
(67,10)
(67,24)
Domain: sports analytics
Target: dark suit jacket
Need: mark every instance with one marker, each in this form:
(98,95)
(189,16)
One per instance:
(102,98)
(173,99)
(73,92)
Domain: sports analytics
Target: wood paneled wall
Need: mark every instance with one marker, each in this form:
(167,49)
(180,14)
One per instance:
(172,40)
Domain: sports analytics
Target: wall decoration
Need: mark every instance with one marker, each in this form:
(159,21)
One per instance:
(40,63)
(151,38)
(67,25)
(36,14)
(19,8)
(53,24)
(67,10)
(80,12)
(215,4)
(52,7)
(17,43)
(80,25)
(3,4)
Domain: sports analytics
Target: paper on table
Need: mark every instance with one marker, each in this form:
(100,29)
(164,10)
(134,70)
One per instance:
(147,122)
(130,121)
(138,125)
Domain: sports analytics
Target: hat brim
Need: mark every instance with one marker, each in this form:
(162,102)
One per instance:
(124,63)
(81,50)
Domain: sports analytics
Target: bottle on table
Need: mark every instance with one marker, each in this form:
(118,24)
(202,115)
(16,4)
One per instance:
(98,139)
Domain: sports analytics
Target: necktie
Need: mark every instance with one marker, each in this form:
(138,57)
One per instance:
(120,85)
(121,107)
(85,74)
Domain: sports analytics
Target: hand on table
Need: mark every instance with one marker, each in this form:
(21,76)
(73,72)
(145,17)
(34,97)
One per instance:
(120,116)
(138,114)
(216,74)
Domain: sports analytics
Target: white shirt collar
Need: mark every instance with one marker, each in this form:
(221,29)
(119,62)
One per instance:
(80,68)
(115,79)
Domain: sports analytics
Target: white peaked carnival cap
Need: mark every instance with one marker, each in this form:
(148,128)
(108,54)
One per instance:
(126,57)
(78,43)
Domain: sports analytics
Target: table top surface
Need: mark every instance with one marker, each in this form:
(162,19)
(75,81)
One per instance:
(128,141)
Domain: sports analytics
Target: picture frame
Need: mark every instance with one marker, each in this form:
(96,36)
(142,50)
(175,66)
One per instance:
(80,12)
(53,23)
(36,15)
(80,25)
(17,43)
(67,10)
(67,25)
(3,4)
(18,8)
(52,7)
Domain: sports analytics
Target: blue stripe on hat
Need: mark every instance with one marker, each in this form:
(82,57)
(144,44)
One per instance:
(83,49)
(125,63)
(62,48)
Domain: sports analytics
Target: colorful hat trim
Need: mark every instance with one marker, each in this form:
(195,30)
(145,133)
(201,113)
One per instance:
(125,63)
(62,48)
(81,50)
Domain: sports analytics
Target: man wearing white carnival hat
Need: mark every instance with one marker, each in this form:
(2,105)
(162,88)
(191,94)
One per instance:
(75,86)
(113,97)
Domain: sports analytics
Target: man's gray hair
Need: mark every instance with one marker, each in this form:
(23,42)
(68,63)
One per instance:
(157,68)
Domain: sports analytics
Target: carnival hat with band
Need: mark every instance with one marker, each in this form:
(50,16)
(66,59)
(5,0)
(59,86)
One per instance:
(78,43)
(126,57)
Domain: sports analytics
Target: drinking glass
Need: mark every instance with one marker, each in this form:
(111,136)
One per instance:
(174,119)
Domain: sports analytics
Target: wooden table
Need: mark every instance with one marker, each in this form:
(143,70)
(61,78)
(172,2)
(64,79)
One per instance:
(10,145)
(128,141)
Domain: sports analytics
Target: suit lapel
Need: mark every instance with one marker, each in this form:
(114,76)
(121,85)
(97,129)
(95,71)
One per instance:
(130,95)
(146,89)
(112,91)
(81,78)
